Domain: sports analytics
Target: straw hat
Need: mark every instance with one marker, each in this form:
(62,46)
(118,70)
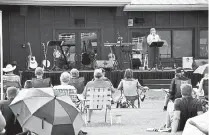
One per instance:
(9,68)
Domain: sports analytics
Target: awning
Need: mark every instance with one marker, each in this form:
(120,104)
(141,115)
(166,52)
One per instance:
(167,5)
(102,3)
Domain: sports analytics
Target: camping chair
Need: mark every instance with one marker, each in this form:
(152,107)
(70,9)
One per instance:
(127,103)
(98,99)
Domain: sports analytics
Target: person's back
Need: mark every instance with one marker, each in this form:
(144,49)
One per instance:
(41,83)
(178,82)
(98,83)
(188,106)
(12,125)
(130,87)
(78,83)
(66,89)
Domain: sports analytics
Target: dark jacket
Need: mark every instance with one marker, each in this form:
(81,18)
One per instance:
(175,91)
(12,126)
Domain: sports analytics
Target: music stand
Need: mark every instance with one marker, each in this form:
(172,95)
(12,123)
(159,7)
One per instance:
(58,43)
(156,45)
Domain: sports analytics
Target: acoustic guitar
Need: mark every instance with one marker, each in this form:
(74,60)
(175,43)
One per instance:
(45,62)
(32,63)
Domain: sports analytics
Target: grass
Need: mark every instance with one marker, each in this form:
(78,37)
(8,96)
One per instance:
(134,121)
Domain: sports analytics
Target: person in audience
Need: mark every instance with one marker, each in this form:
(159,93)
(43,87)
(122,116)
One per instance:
(99,82)
(203,87)
(76,81)
(28,84)
(65,88)
(10,79)
(174,91)
(130,87)
(197,125)
(68,90)
(185,108)
(2,124)
(39,81)
(12,125)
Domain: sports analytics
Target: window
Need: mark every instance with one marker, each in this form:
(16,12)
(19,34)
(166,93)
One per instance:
(182,43)
(165,50)
(203,43)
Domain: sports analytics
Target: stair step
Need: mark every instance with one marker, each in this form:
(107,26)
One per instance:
(156,81)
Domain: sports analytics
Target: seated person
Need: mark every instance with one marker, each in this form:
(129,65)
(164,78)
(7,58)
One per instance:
(175,91)
(39,82)
(65,88)
(2,124)
(130,87)
(185,108)
(10,79)
(28,84)
(12,125)
(76,81)
(99,83)
(197,125)
(203,87)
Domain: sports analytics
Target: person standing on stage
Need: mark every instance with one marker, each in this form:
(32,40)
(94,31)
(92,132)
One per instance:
(153,36)
(152,51)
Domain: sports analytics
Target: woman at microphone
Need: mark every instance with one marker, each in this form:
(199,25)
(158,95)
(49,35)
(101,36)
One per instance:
(152,51)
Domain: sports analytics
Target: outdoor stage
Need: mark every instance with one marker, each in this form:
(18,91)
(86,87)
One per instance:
(115,76)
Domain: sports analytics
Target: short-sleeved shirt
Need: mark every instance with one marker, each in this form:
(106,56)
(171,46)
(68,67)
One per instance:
(67,90)
(78,83)
(188,107)
(11,80)
(41,83)
(129,86)
(175,90)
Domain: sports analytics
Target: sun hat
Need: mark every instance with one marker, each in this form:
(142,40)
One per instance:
(9,68)
(39,71)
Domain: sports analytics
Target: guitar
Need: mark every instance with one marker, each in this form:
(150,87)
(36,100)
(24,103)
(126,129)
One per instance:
(32,63)
(85,60)
(45,62)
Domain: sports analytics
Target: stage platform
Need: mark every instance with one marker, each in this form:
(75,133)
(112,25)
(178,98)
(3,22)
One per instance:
(114,76)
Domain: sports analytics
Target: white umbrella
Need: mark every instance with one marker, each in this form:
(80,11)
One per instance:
(202,69)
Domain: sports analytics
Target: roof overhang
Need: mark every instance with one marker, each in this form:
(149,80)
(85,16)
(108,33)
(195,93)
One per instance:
(173,7)
(102,3)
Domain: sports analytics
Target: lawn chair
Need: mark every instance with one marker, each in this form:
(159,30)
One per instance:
(98,99)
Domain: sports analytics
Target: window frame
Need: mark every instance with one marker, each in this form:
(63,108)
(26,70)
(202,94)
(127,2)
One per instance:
(198,44)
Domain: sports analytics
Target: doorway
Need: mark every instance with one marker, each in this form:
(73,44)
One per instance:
(81,47)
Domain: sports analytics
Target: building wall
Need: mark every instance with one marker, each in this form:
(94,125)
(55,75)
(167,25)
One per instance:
(37,25)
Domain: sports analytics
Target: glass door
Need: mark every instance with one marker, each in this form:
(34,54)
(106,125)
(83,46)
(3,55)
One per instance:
(80,48)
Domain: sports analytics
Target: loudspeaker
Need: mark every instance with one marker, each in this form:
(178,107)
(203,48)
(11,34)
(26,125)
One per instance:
(23,10)
(136,63)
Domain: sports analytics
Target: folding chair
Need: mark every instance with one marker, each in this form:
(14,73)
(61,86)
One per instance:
(98,99)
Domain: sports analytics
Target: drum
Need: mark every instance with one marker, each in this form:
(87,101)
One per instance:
(56,54)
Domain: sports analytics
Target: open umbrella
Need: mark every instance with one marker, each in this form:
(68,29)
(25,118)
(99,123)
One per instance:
(46,112)
(202,69)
